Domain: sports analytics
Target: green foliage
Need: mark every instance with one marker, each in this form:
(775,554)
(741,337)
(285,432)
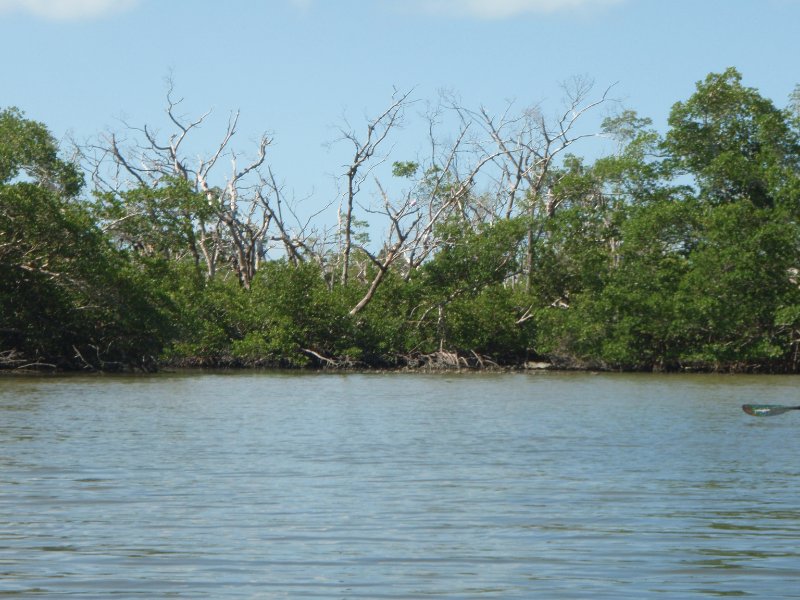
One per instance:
(626,322)
(488,324)
(286,317)
(155,221)
(67,297)
(693,277)
(692,286)
(389,326)
(204,313)
(472,258)
(464,279)
(27,147)
(739,282)
(735,142)
(404,169)
(681,252)
(573,255)
(295,313)
(626,126)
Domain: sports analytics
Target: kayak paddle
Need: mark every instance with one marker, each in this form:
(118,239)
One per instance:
(767,410)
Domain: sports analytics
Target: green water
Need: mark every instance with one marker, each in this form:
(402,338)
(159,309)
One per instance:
(260,485)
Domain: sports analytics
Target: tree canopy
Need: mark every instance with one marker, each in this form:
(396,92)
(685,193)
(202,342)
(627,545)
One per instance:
(675,251)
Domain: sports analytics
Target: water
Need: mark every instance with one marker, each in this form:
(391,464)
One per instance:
(398,486)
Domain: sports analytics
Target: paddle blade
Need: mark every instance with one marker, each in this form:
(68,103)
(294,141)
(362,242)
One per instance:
(767,410)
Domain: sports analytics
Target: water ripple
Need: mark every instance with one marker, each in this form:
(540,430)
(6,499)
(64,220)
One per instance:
(397,486)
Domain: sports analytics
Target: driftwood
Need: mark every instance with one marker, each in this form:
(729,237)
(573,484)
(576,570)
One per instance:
(323,359)
(341,362)
(444,360)
(14,360)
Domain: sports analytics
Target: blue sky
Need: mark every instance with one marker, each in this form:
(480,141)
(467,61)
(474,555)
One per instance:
(296,67)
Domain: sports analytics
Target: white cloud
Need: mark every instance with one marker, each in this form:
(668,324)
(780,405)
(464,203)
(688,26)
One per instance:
(66,10)
(503,9)
(482,9)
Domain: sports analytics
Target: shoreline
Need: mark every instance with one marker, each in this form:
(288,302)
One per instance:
(530,367)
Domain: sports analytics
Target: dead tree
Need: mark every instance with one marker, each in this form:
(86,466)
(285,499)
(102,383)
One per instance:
(443,188)
(363,162)
(239,223)
(301,242)
(525,150)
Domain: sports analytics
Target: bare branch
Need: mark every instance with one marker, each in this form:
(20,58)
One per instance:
(378,130)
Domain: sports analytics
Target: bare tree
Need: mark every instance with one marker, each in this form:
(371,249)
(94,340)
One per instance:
(404,218)
(509,158)
(494,167)
(244,205)
(525,148)
(362,164)
(442,188)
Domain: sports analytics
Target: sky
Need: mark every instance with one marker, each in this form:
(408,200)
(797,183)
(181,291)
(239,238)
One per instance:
(299,69)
